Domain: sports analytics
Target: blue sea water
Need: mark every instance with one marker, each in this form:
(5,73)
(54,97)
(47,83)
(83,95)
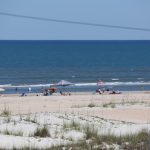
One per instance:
(43,62)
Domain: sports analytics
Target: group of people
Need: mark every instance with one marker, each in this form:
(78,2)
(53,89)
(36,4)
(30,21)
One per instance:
(51,92)
(46,92)
(107,91)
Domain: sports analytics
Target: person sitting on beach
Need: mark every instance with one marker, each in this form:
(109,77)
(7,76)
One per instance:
(107,90)
(16,89)
(46,92)
(69,93)
(29,89)
(115,92)
(99,91)
(23,94)
(61,93)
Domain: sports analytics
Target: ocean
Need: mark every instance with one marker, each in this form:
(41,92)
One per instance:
(123,65)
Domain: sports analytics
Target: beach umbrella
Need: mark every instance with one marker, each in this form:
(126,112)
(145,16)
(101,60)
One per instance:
(64,83)
(2,90)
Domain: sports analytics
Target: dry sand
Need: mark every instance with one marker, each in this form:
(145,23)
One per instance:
(78,103)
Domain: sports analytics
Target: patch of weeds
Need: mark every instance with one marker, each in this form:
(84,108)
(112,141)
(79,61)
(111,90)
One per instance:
(34,120)
(72,125)
(56,132)
(24,148)
(42,132)
(7,132)
(20,117)
(28,118)
(91,105)
(105,105)
(7,119)
(14,122)
(6,112)
(96,141)
(90,132)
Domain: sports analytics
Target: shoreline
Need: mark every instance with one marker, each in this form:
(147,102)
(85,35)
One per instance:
(72,93)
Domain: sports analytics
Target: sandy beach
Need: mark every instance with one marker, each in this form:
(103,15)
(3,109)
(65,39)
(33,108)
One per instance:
(131,107)
(44,122)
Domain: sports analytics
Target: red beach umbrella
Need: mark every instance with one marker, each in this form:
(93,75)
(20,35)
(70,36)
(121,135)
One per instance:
(52,88)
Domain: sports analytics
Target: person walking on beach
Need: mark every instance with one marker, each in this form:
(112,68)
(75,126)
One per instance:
(29,89)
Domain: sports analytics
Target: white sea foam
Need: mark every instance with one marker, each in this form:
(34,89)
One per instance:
(114,79)
(81,84)
(114,83)
(5,85)
(30,85)
(140,78)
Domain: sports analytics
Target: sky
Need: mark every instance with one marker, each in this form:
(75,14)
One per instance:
(134,13)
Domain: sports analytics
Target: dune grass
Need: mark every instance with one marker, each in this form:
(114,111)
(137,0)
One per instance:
(42,132)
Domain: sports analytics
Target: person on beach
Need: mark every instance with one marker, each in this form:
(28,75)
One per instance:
(16,89)
(46,92)
(29,89)
(99,91)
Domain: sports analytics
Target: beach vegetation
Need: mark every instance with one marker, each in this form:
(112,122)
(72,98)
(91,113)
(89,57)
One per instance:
(105,105)
(28,117)
(42,132)
(91,105)
(90,132)
(7,132)
(20,117)
(73,125)
(6,112)
(109,141)
(7,119)
(92,135)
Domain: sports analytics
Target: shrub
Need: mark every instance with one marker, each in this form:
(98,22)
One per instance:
(42,132)
(73,125)
(91,105)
